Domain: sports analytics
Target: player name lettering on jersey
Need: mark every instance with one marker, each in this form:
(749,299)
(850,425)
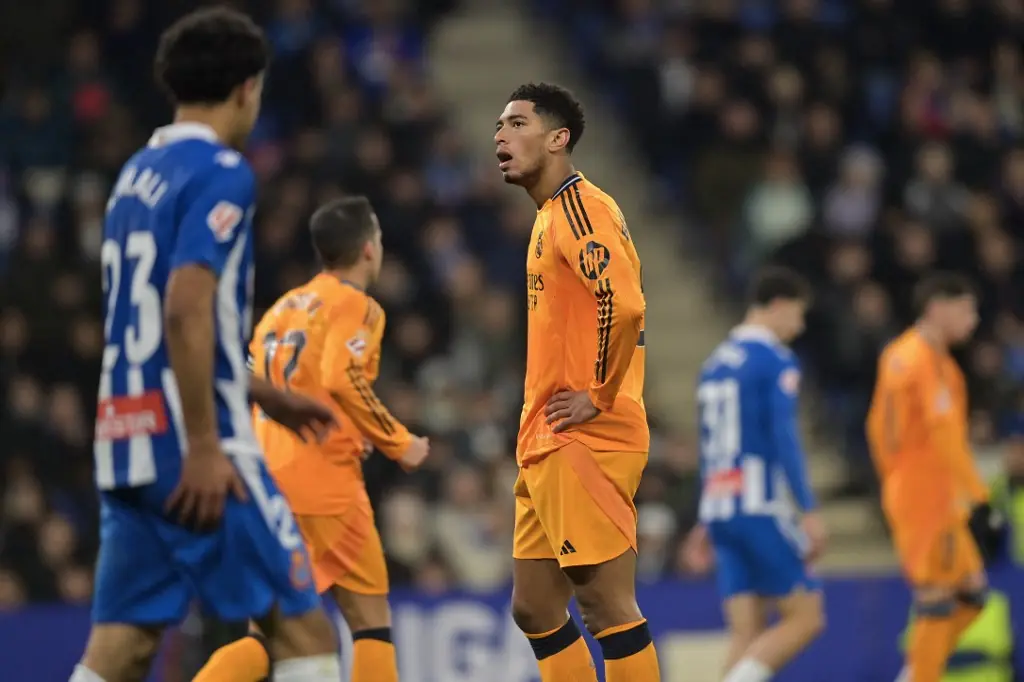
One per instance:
(122,417)
(148,187)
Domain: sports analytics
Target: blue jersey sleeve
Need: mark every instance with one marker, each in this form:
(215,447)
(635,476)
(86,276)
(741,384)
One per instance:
(785,389)
(214,214)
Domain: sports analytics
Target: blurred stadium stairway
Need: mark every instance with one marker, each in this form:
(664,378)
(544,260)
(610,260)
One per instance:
(479,55)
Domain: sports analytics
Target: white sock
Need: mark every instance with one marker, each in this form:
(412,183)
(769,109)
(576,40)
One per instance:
(749,670)
(324,668)
(83,674)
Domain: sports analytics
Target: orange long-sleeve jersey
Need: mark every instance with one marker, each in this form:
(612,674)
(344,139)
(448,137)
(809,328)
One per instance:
(917,432)
(323,340)
(586,323)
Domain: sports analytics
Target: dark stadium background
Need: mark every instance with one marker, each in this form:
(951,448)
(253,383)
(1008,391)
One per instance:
(861,141)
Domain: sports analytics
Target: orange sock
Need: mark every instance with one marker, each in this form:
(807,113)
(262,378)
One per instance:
(373,656)
(562,655)
(962,619)
(244,660)
(629,654)
(932,639)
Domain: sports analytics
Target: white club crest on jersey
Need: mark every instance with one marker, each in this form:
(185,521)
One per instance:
(228,158)
(223,220)
(789,381)
(357,345)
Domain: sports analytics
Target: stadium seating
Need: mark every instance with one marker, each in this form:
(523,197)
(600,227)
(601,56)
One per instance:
(863,142)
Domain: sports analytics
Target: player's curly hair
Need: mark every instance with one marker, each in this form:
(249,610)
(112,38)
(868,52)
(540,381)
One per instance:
(205,55)
(557,104)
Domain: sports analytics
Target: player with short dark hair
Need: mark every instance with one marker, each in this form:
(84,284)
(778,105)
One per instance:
(583,437)
(323,339)
(188,508)
(942,286)
(775,283)
(341,229)
(750,458)
(917,429)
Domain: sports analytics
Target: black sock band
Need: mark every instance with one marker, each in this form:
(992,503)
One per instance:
(974,600)
(379,634)
(626,643)
(559,640)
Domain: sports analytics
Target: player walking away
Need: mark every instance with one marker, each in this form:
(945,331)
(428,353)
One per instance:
(917,430)
(751,463)
(188,508)
(323,340)
(583,437)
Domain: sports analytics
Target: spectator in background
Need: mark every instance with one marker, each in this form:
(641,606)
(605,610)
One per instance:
(895,136)
(348,109)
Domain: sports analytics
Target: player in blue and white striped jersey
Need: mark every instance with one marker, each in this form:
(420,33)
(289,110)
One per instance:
(752,472)
(188,510)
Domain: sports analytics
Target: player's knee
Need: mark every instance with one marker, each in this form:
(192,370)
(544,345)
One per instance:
(603,610)
(813,621)
(310,634)
(363,611)
(534,614)
(120,653)
(805,612)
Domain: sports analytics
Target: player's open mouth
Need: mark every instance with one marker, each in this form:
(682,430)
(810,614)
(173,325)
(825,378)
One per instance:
(504,159)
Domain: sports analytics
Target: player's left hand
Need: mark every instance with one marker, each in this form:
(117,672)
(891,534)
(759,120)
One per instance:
(813,526)
(300,414)
(569,408)
(988,526)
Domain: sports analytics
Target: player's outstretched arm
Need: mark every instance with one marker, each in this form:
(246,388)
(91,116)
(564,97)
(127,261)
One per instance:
(594,244)
(351,346)
(292,410)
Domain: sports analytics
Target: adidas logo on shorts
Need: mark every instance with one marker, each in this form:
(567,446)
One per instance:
(567,548)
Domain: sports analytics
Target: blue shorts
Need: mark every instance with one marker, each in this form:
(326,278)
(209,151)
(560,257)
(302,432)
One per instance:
(763,556)
(150,567)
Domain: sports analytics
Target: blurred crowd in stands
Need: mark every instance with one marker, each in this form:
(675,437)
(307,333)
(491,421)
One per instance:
(862,141)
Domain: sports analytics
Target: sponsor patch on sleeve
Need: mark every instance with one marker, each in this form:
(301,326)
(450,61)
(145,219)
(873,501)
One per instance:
(357,345)
(789,381)
(223,219)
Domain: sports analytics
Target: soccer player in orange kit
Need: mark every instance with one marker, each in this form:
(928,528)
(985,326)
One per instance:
(323,340)
(917,430)
(583,437)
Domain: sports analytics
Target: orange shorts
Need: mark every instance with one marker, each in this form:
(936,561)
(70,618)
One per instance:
(946,558)
(576,505)
(345,550)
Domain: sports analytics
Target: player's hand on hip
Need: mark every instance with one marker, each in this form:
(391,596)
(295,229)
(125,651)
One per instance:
(301,415)
(412,458)
(207,478)
(813,526)
(569,408)
(367,448)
